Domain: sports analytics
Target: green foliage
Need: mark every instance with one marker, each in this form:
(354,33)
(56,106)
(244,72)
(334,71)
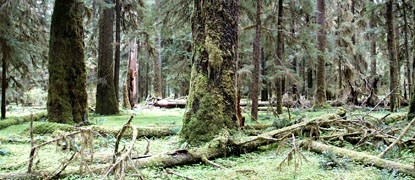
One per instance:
(18,120)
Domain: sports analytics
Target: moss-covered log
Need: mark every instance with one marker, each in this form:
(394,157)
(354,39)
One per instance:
(211,104)
(360,157)
(67,96)
(18,120)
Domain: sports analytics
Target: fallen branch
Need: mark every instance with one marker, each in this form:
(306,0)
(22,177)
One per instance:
(168,171)
(398,139)
(360,157)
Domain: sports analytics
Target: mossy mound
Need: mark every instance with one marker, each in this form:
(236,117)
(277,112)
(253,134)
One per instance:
(18,120)
(49,127)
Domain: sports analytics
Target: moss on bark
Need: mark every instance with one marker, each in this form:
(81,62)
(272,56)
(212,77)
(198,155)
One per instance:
(210,107)
(67,96)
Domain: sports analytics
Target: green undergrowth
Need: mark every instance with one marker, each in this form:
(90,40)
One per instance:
(15,120)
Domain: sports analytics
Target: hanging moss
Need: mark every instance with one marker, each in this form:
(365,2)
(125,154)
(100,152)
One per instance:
(67,96)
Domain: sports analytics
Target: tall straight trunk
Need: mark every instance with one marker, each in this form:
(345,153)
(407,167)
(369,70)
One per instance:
(407,89)
(322,46)
(211,102)
(4,80)
(411,112)
(393,59)
(373,63)
(280,50)
(67,96)
(107,103)
(117,57)
(264,88)
(157,82)
(256,62)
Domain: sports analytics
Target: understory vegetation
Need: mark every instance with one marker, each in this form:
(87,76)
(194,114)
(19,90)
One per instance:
(273,161)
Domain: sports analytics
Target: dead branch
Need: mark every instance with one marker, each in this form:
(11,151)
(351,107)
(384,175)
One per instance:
(360,157)
(32,144)
(62,167)
(119,136)
(398,139)
(207,161)
(169,171)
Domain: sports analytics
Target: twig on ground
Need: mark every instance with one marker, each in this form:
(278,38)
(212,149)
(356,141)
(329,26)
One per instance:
(169,171)
(207,161)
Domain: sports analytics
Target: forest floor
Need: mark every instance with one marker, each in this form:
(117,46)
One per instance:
(266,163)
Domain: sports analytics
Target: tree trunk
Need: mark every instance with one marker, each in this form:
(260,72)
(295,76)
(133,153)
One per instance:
(117,57)
(107,103)
(373,63)
(407,89)
(280,50)
(211,102)
(157,83)
(256,62)
(264,88)
(67,96)
(322,46)
(393,59)
(411,113)
(4,80)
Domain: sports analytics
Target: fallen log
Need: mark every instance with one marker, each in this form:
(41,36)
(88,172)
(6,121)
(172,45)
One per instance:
(142,131)
(360,157)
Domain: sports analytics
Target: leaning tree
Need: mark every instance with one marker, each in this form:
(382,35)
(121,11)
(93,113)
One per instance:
(210,106)
(67,96)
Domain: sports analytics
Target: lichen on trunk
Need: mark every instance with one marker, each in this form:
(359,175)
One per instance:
(211,103)
(67,96)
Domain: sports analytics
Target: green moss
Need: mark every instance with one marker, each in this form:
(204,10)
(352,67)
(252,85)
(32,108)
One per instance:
(49,127)
(18,120)
(215,54)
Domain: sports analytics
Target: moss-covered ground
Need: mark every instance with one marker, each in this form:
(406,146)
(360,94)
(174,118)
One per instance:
(262,164)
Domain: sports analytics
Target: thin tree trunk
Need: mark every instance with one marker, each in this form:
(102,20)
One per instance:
(256,62)
(280,50)
(393,59)
(322,46)
(264,88)
(157,82)
(407,89)
(373,63)
(4,81)
(117,58)
(411,112)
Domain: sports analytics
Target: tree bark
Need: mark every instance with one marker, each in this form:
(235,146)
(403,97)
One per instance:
(411,112)
(211,102)
(407,89)
(117,57)
(157,83)
(322,46)
(67,96)
(106,99)
(280,50)
(264,86)
(4,80)
(256,62)
(393,59)
(373,63)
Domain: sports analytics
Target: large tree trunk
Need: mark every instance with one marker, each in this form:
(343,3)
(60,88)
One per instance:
(117,57)
(256,62)
(280,50)
(393,59)
(4,81)
(107,103)
(322,46)
(67,96)
(211,102)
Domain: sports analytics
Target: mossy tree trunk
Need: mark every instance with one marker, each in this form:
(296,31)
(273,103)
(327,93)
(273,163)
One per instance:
(210,106)
(373,63)
(393,58)
(117,57)
(157,81)
(320,99)
(407,87)
(67,96)
(256,63)
(107,103)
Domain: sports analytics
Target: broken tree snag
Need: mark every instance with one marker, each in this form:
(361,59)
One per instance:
(360,157)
